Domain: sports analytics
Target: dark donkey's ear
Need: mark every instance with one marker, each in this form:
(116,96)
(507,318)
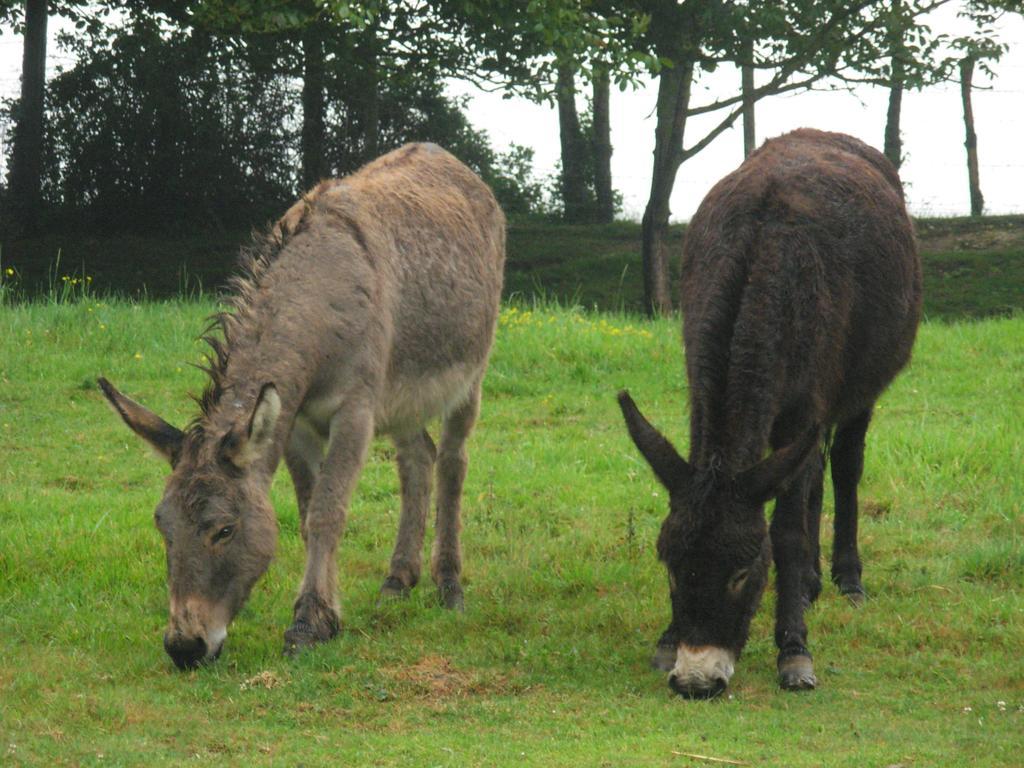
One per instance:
(671,469)
(241,447)
(769,477)
(165,439)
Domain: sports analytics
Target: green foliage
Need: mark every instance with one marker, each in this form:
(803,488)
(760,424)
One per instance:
(548,666)
(159,123)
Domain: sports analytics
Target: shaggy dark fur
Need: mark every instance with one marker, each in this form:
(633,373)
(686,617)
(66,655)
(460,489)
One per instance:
(801,296)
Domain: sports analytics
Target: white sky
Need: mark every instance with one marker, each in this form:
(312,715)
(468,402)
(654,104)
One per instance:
(934,170)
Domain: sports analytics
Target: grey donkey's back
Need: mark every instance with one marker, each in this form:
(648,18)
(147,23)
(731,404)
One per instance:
(419,248)
(370,308)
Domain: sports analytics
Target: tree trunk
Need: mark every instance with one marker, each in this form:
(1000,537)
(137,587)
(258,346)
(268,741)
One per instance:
(370,96)
(314,161)
(27,155)
(747,84)
(673,100)
(602,150)
(893,147)
(971,142)
(574,182)
(893,141)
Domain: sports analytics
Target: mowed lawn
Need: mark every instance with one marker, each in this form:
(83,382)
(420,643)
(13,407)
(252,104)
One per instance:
(548,666)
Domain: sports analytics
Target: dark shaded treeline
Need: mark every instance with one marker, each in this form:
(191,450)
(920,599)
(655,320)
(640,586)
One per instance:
(161,122)
(972,267)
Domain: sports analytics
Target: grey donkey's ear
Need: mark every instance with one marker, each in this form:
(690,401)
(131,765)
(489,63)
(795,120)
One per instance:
(242,447)
(165,439)
(671,469)
(770,476)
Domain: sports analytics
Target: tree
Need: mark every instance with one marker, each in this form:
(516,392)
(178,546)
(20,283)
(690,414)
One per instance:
(26,159)
(573,176)
(893,140)
(522,48)
(314,106)
(798,44)
(976,50)
(24,182)
(747,86)
(601,147)
(971,140)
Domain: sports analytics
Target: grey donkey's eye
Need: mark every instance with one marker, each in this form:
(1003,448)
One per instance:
(738,579)
(223,534)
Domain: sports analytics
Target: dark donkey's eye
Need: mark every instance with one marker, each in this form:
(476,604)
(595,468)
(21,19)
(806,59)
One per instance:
(223,534)
(738,579)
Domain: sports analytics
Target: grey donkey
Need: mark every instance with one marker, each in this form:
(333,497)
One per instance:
(369,308)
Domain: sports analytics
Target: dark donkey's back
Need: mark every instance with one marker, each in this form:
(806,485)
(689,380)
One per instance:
(371,308)
(801,299)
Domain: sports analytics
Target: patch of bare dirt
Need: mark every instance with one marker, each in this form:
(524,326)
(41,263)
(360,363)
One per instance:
(435,677)
(984,234)
(265,679)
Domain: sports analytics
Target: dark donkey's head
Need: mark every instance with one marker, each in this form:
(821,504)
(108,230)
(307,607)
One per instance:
(715,546)
(215,516)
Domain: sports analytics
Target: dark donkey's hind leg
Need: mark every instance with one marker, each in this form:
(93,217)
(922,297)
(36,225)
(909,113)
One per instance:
(847,466)
(416,454)
(793,552)
(812,576)
(452,462)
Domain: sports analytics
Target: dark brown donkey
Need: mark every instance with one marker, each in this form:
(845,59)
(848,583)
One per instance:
(801,295)
(371,308)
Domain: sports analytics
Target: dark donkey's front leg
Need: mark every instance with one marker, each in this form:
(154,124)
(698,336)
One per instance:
(797,582)
(317,614)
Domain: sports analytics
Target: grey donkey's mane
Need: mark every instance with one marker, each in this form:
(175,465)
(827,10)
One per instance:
(225,326)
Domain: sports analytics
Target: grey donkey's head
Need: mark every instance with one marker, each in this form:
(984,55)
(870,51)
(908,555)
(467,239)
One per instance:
(215,517)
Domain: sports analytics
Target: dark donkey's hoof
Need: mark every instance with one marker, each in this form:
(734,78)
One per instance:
(315,622)
(852,588)
(664,659)
(393,589)
(449,592)
(796,673)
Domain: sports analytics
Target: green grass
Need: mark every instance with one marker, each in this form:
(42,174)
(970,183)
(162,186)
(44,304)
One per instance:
(548,666)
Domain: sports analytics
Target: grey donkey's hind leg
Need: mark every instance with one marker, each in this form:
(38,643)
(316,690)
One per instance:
(452,461)
(416,454)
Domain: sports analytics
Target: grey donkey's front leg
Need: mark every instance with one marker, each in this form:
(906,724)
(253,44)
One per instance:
(317,615)
(452,462)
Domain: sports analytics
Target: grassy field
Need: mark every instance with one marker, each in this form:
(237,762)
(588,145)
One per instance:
(548,666)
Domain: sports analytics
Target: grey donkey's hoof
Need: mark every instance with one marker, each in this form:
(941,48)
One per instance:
(450,595)
(393,589)
(796,673)
(315,622)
